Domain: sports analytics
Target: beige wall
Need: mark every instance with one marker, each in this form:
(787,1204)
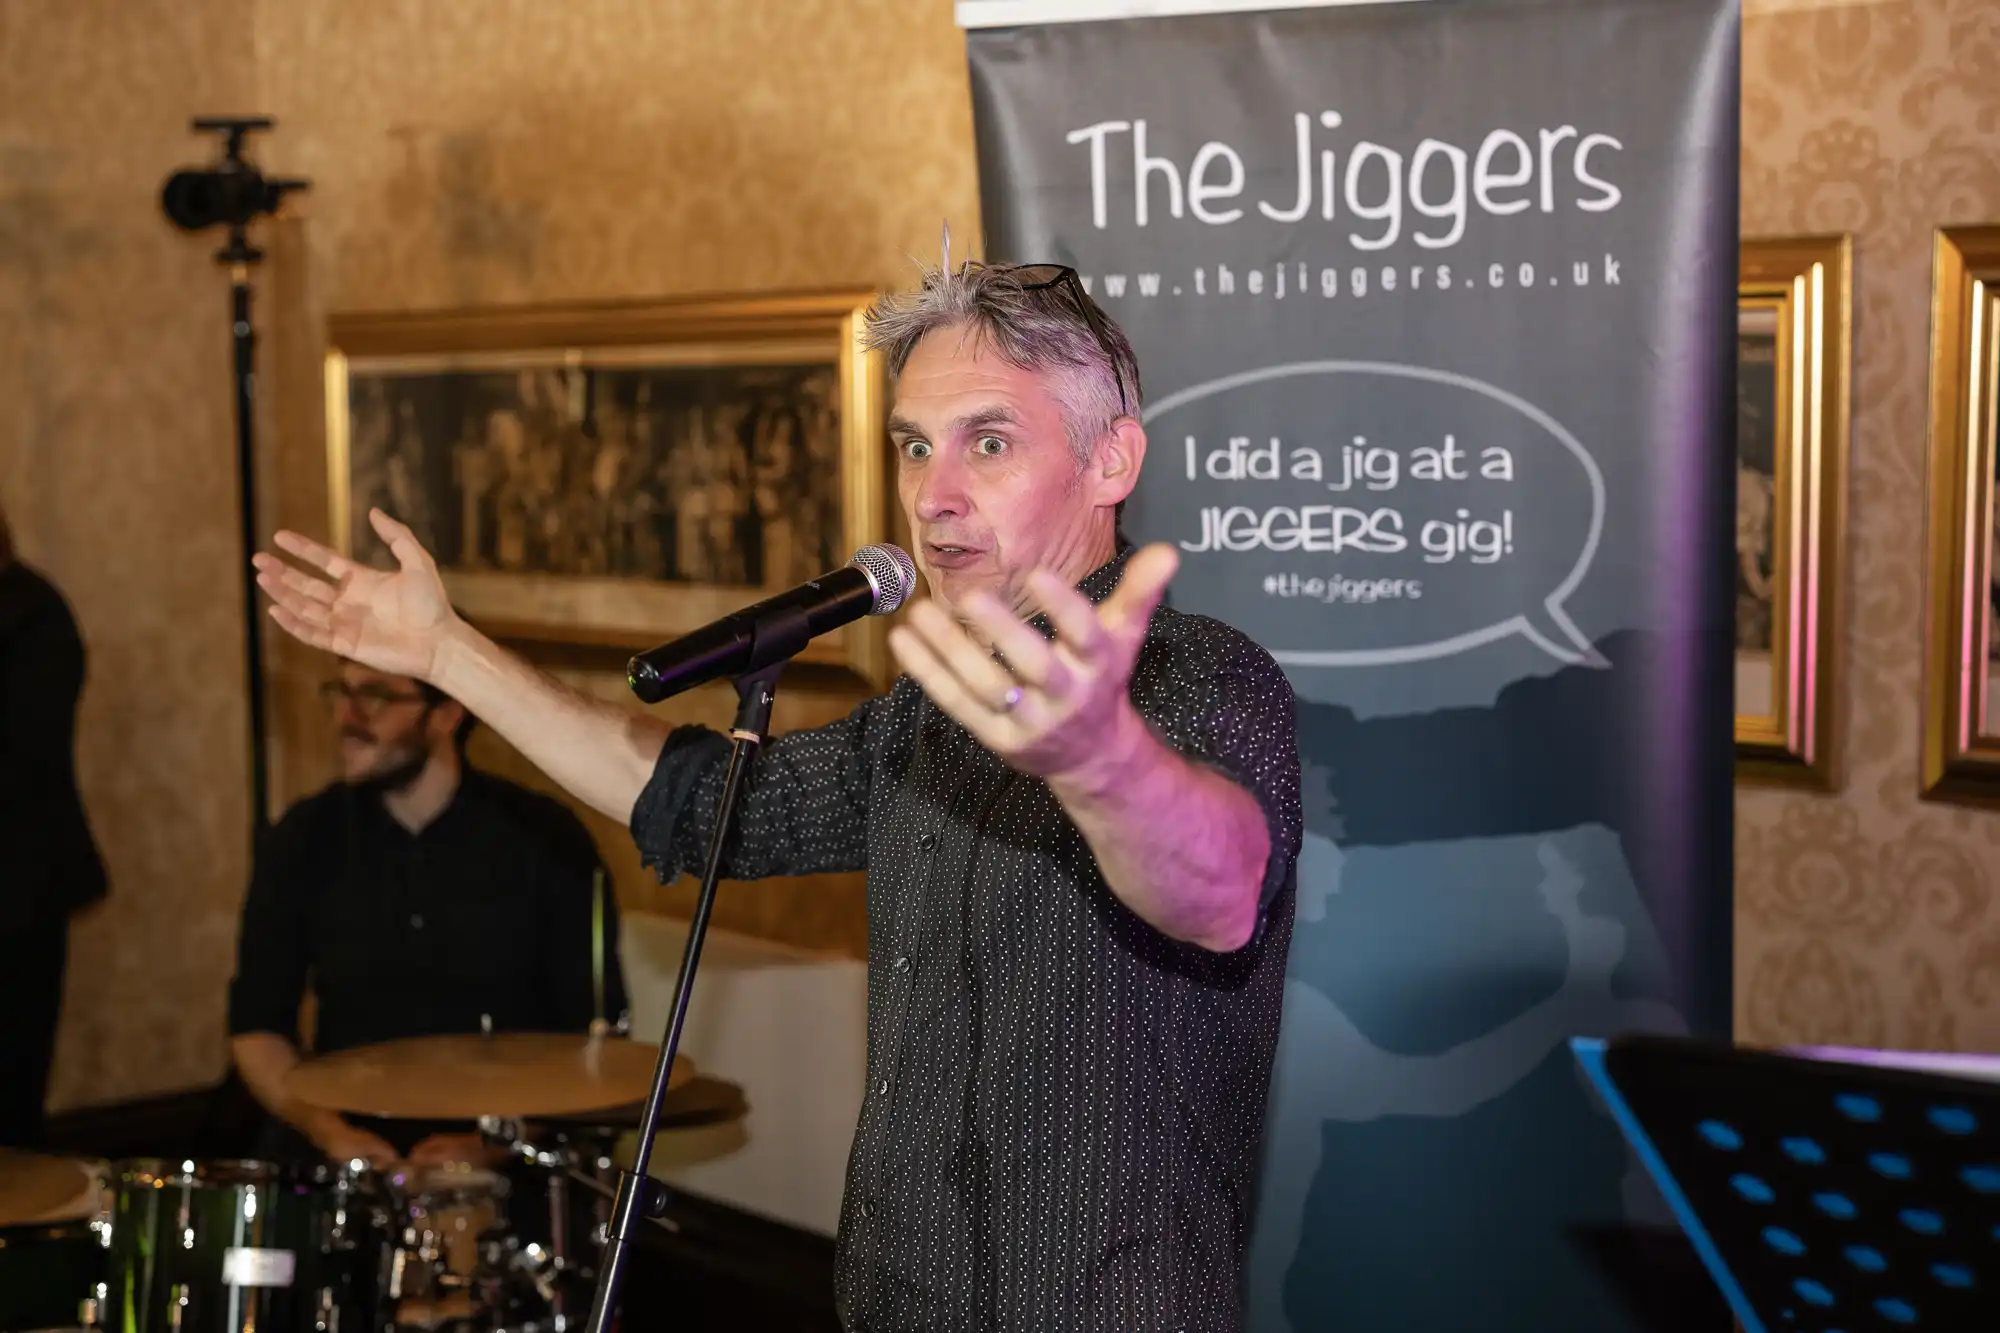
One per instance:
(521,151)
(513,151)
(117,468)
(1869,917)
(460,154)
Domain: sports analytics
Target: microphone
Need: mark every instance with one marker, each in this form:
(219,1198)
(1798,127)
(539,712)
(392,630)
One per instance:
(877,581)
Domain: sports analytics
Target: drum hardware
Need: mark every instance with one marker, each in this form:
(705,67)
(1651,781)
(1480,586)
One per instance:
(353,1212)
(510,1133)
(150,1246)
(453,1222)
(326,1318)
(538,1268)
(230,1247)
(502,1078)
(587,1162)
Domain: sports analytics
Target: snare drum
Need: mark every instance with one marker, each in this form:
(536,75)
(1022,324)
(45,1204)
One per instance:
(48,1275)
(237,1247)
(51,1261)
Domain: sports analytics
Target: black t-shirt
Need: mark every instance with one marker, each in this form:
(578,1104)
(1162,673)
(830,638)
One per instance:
(489,911)
(49,862)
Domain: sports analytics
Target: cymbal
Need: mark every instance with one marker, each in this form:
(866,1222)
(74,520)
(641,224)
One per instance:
(699,1100)
(465,1077)
(33,1186)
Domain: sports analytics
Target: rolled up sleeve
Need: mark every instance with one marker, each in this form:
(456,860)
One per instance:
(803,809)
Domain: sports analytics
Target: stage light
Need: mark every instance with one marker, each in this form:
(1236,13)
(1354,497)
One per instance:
(232,193)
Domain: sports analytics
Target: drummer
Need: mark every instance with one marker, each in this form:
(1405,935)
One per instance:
(417,896)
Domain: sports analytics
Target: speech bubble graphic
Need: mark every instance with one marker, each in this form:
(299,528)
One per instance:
(1419,510)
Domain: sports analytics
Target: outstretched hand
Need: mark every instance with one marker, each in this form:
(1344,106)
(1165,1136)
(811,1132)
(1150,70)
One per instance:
(393,621)
(1052,710)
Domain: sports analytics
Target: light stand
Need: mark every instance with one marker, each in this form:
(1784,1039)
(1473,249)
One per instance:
(639,1195)
(232,194)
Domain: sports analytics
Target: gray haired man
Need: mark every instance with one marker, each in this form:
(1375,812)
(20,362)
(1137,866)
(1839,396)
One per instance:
(1078,812)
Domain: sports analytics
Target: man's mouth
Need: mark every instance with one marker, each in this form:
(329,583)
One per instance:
(949,555)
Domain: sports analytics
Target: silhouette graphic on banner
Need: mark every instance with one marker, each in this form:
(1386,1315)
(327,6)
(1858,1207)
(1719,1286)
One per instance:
(1447,945)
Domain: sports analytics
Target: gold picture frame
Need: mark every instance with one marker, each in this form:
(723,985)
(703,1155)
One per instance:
(617,474)
(1794,313)
(1961,743)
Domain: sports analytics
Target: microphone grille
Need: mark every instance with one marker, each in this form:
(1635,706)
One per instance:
(891,572)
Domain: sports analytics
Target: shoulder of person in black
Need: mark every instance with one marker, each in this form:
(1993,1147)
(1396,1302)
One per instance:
(54,866)
(534,814)
(27,595)
(317,823)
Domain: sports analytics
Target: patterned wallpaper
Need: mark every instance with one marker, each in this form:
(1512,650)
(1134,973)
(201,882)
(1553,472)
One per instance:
(516,151)
(117,470)
(459,154)
(1869,917)
(520,152)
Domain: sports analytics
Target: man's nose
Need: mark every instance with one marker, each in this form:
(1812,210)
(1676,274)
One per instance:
(941,492)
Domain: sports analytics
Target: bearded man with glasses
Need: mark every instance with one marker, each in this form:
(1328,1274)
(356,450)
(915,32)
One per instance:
(1078,811)
(417,896)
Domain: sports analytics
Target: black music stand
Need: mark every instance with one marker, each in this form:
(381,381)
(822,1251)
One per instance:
(1823,1195)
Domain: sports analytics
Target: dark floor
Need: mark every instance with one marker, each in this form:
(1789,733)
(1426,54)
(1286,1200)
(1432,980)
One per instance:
(723,1269)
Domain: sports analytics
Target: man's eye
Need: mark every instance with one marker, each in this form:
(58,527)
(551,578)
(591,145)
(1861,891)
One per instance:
(990,444)
(916,449)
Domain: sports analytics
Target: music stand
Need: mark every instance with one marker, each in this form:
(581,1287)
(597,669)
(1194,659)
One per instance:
(1824,1195)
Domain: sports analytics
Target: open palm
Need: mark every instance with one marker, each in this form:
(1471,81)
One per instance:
(392,621)
(1046,708)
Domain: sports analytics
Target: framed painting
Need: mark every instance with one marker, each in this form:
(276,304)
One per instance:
(617,474)
(1961,754)
(1792,371)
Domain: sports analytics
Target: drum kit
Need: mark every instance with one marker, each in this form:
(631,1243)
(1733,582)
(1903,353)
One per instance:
(505,1245)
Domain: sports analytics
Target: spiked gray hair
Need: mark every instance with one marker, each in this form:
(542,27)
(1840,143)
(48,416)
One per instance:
(1035,325)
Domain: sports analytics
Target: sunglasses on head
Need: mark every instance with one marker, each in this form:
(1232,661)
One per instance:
(1062,280)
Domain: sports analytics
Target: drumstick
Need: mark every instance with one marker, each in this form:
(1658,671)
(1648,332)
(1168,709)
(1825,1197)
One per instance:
(597,1023)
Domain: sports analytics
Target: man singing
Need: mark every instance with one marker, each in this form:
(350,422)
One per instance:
(1078,812)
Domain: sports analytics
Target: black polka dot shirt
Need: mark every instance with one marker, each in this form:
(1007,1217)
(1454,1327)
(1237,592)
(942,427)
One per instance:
(1064,1106)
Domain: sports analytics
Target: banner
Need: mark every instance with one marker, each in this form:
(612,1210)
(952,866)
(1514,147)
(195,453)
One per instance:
(1435,307)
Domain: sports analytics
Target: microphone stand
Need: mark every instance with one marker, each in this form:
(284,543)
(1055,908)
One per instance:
(639,1195)
(243,334)
(233,194)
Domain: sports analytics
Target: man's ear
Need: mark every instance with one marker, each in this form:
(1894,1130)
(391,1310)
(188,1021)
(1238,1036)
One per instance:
(1120,454)
(445,719)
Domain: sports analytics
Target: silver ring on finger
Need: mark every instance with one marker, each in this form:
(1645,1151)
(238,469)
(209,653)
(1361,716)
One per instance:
(1012,698)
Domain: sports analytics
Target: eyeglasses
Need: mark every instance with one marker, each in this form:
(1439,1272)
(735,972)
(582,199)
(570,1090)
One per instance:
(1063,279)
(368,700)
